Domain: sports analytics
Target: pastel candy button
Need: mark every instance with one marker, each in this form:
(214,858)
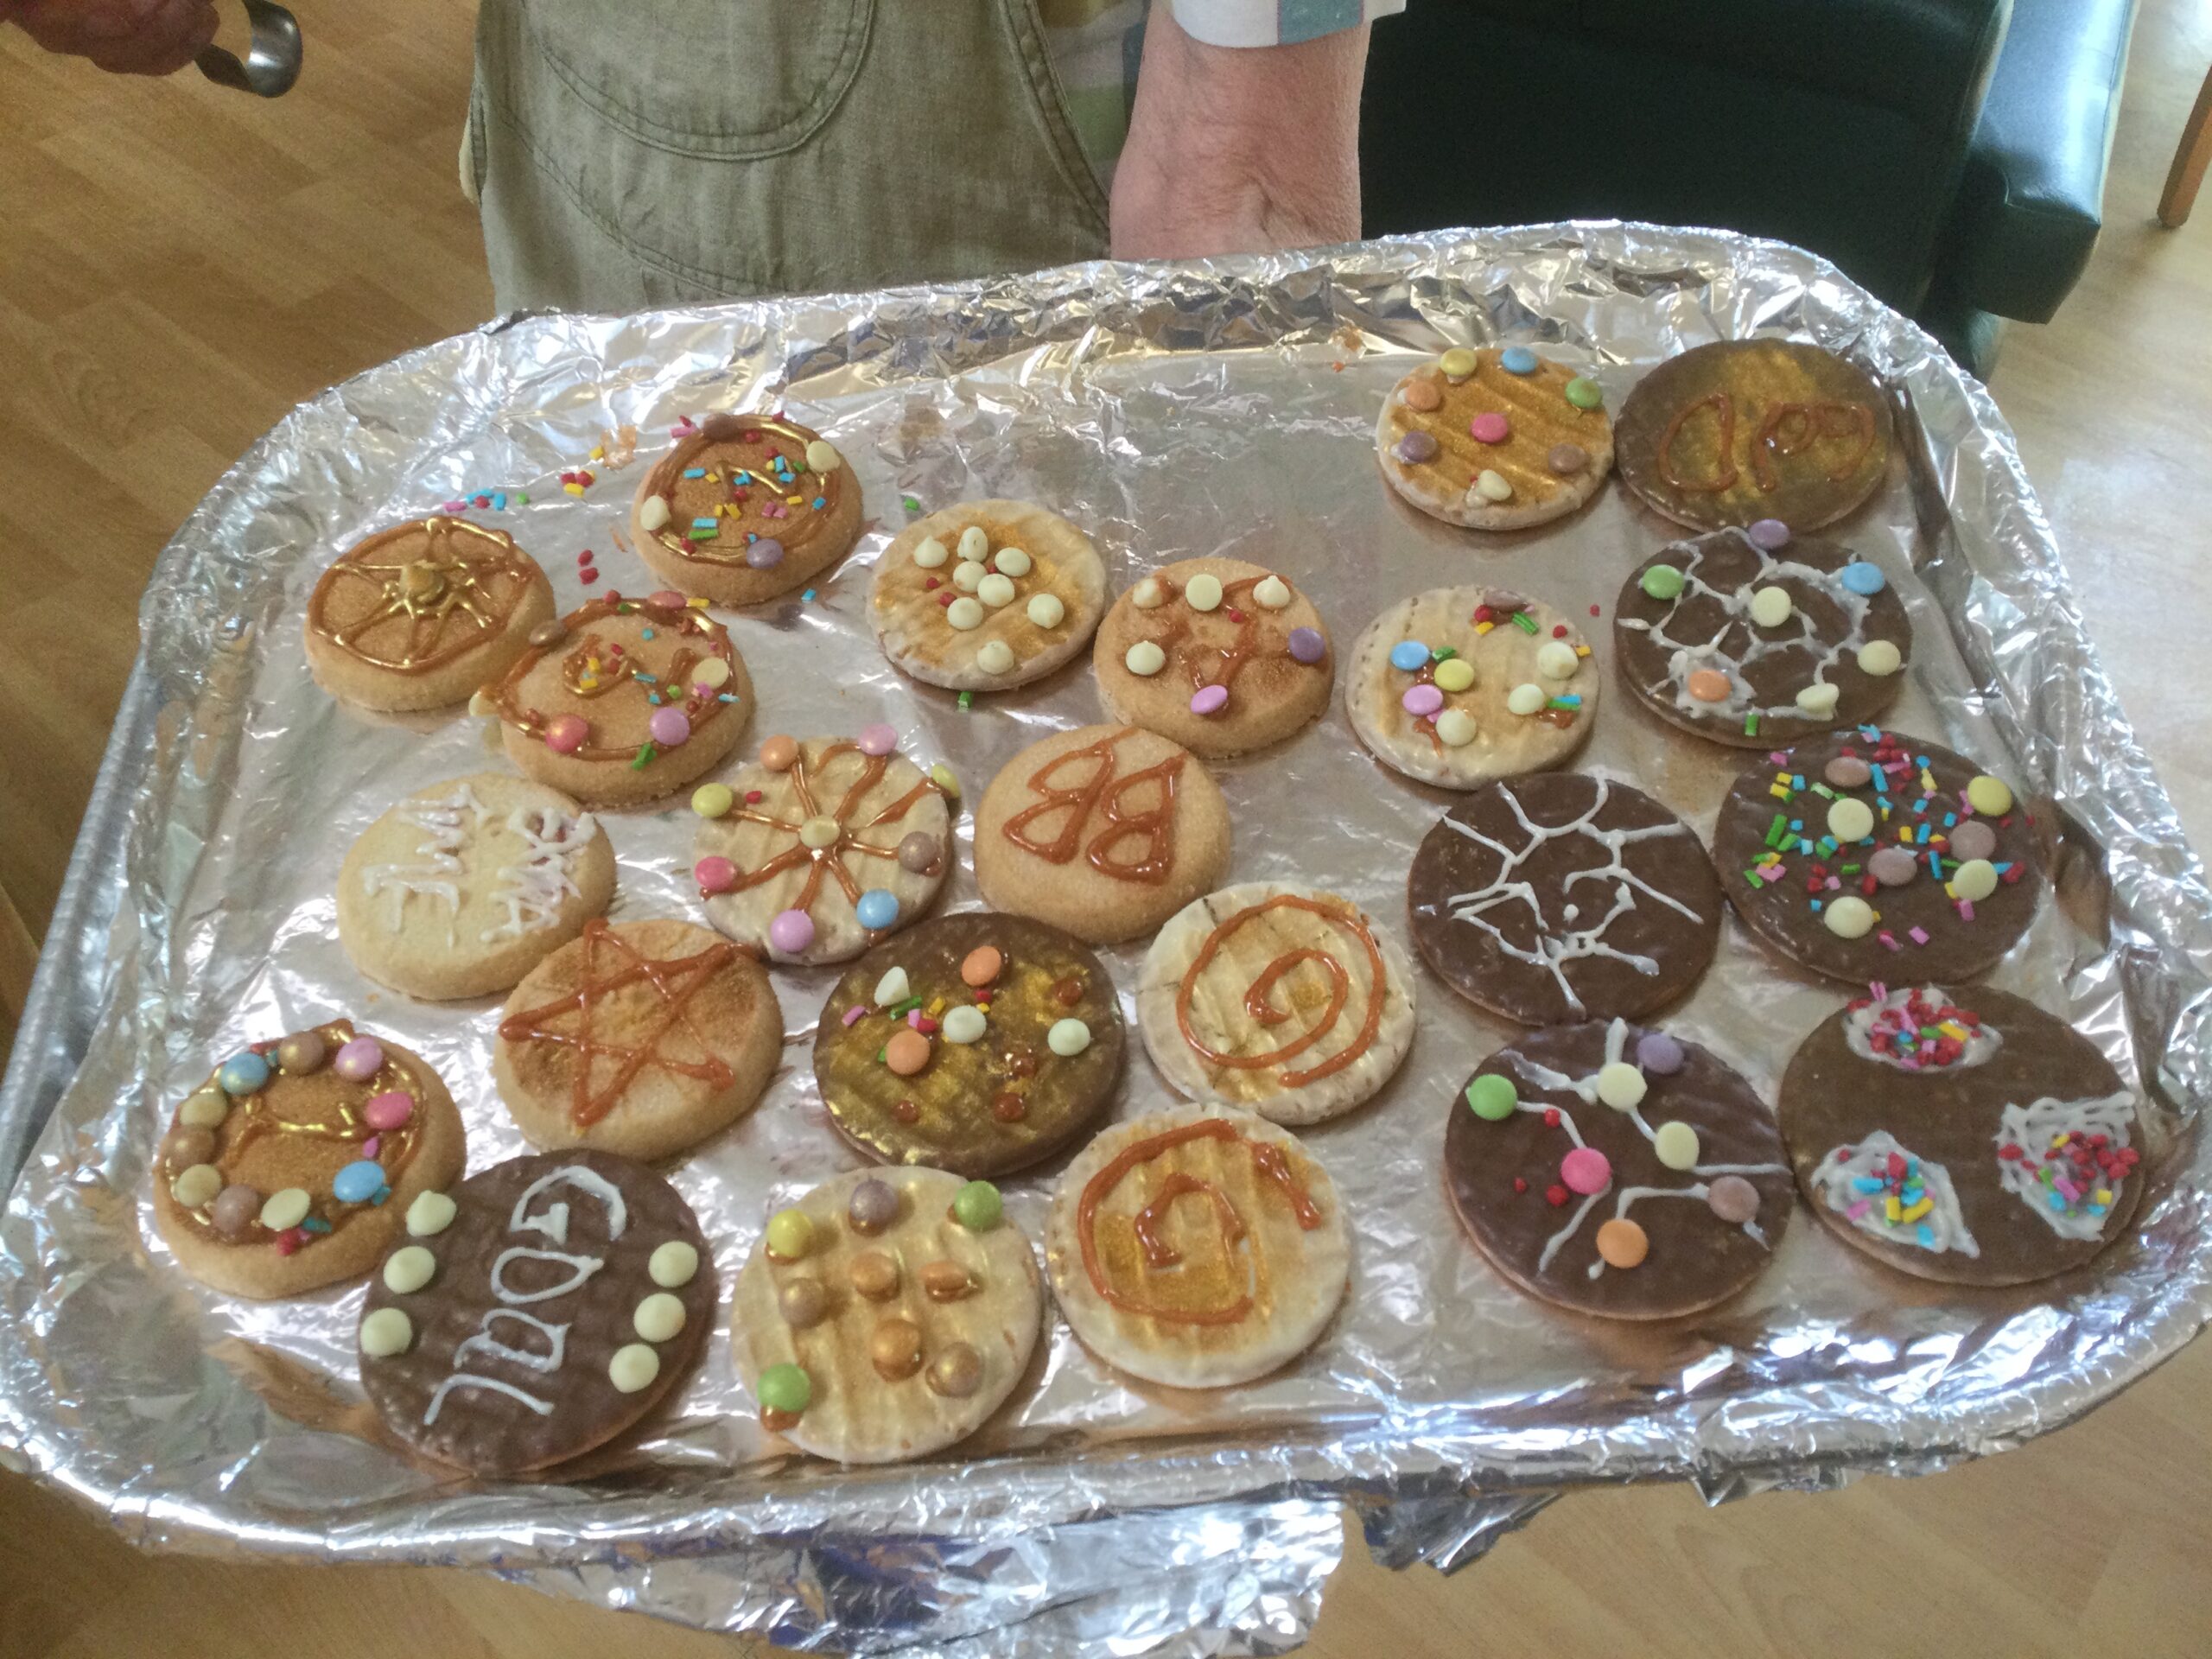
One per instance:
(1771,606)
(1489,428)
(673,1264)
(1850,819)
(1972,839)
(1492,1098)
(878,909)
(713,800)
(710,674)
(1771,535)
(714,873)
(670,727)
(1409,656)
(1658,1054)
(1879,658)
(1974,880)
(659,1317)
(1586,1170)
(1306,645)
(907,1051)
(764,554)
(1458,363)
(1420,392)
(288,1208)
(1585,393)
(359,1182)
(791,932)
(1620,1085)
(1210,700)
(359,1060)
(633,1368)
(565,734)
(1622,1243)
(1454,674)
(1893,866)
(1517,360)
(1416,449)
(198,1185)
(1421,701)
(1662,582)
(1862,578)
(1707,686)
(877,740)
(1676,1144)
(821,456)
(388,1110)
(242,1074)
(1989,796)
(667,598)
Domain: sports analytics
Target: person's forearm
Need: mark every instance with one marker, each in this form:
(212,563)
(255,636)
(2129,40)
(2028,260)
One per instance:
(1235,151)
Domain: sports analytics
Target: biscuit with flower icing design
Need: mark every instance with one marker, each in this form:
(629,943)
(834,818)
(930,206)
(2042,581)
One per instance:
(986,595)
(1962,1134)
(1461,686)
(623,700)
(419,615)
(1868,854)
(290,1167)
(1740,430)
(979,1043)
(639,1038)
(1617,1171)
(1495,438)
(1218,654)
(535,1311)
(1106,831)
(1758,636)
(745,507)
(1197,1250)
(1281,1000)
(821,847)
(886,1314)
(463,887)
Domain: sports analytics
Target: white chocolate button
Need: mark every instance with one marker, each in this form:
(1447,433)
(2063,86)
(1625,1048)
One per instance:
(1149,595)
(963,1024)
(652,513)
(1271,593)
(930,553)
(1491,485)
(1849,917)
(1818,699)
(286,1209)
(964,613)
(893,987)
(430,1214)
(408,1269)
(1203,592)
(1526,698)
(659,1317)
(385,1332)
(204,1108)
(674,1263)
(197,1185)
(634,1367)
(1047,611)
(1012,561)
(822,456)
(974,543)
(1880,658)
(995,590)
(1068,1037)
(1455,729)
(1675,1144)
(1620,1085)
(1145,658)
(994,657)
(1555,660)
(1973,881)
(1850,819)
(1770,606)
(967,576)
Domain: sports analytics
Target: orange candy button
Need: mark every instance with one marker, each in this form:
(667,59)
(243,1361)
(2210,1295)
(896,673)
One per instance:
(1422,393)
(778,754)
(1622,1243)
(1709,685)
(907,1051)
(981,966)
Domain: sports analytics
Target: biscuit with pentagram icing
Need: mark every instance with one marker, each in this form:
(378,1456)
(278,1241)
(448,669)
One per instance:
(821,847)
(1616,1172)
(1105,831)
(979,1043)
(1962,1136)
(1754,637)
(745,507)
(535,1311)
(1197,1249)
(1280,999)
(1562,897)
(640,1037)
(1461,686)
(1495,438)
(465,887)
(886,1314)
(986,595)
(1739,431)
(290,1167)
(1870,854)
(1221,656)
(419,615)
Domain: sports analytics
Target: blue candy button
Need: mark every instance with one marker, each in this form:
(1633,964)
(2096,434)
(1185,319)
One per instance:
(1410,655)
(1862,577)
(242,1074)
(1517,360)
(878,908)
(359,1181)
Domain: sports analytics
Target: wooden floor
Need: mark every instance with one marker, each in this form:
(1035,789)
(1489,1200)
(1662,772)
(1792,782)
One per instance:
(178,265)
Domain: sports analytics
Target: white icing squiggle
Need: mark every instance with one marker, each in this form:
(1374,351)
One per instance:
(554,1223)
(2033,1129)
(581,1268)
(446,827)
(530,889)
(533,887)
(470,1380)
(484,1341)
(1842,1178)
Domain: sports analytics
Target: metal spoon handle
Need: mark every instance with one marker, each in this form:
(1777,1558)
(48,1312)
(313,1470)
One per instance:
(272,59)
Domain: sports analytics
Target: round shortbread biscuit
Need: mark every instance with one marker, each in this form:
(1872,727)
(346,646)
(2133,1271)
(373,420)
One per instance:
(640,1037)
(1238,662)
(419,615)
(465,887)
(623,701)
(815,831)
(904,1327)
(991,622)
(293,1166)
(745,507)
(1280,999)
(1197,1250)
(1105,831)
(1470,441)
(1471,734)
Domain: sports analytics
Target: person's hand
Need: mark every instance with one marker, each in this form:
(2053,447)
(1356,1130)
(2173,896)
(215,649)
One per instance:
(127,37)
(1239,149)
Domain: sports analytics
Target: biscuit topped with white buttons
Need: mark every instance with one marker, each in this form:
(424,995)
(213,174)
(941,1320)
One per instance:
(986,595)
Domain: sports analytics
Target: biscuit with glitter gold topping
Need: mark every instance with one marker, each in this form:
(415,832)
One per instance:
(1495,438)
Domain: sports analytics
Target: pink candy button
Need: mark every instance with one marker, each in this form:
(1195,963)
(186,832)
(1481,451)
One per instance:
(877,740)
(1210,700)
(565,734)
(388,1110)
(670,727)
(715,875)
(668,598)
(1422,701)
(359,1060)
(1490,428)
(1586,1170)
(792,931)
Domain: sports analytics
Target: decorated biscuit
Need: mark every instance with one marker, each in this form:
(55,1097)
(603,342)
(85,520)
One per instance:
(1616,1172)
(290,1167)
(1495,439)
(624,699)
(745,507)
(821,847)
(1283,999)
(986,595)
(1106,831)
(419,615)
(978,1044)
(639,1038)
(1197,1250)
(1461,686)
(1562,897)
(886,1314)
(535,1311)
(1755,637)
(1961,1135)
(1868,854)
(1741,430)
(1217,654)
(465,887)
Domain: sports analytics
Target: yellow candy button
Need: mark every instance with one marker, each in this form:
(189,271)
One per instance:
(1990,796)
(712,800)
(1454,674)
(1458,363)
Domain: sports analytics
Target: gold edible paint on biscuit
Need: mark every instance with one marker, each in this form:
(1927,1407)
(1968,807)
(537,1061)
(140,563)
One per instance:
(1536,411)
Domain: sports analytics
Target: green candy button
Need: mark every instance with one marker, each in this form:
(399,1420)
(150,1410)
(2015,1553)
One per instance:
(1492,1097)
(786,1388)
(1585,394)
(1662,581)
(976,1206)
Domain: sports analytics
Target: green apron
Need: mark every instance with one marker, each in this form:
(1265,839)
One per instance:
(656,152)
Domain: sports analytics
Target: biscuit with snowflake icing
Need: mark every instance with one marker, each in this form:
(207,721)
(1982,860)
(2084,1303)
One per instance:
(986,595)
